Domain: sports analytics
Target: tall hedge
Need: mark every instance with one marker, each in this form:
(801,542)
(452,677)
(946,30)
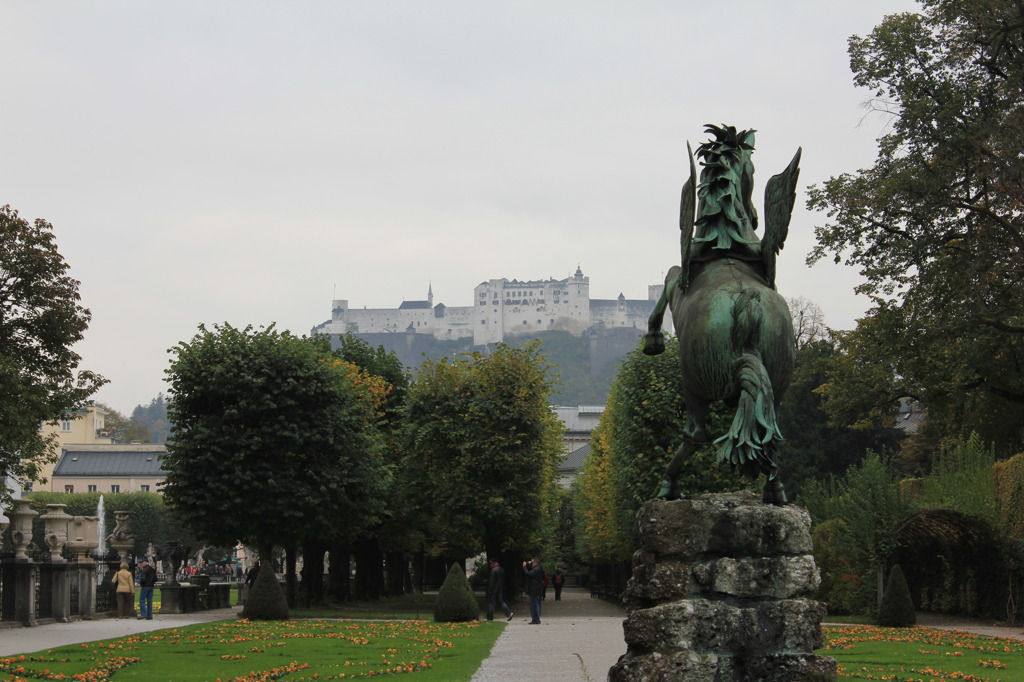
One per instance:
(897,607)
(266,598)
(455,601)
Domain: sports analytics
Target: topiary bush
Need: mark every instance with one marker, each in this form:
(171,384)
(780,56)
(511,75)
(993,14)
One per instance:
(897,607)
(266,598)
(456,602)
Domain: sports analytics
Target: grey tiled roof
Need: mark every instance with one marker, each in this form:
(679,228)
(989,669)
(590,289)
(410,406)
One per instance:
(110,460)
(574,460)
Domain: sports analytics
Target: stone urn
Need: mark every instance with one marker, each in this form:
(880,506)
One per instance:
(55,524)
(21,528)
(121,540)
(83,537)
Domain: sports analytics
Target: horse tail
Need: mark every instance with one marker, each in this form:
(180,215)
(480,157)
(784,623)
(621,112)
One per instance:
(751,441)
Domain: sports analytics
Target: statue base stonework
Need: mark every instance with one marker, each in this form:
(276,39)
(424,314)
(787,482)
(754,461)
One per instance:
(721,592)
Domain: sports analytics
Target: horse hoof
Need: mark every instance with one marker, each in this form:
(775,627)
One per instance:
(669,490)
(774,493)
(654,343)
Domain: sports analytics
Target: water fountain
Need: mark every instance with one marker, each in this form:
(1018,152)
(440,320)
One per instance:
(102,530)
(101,550)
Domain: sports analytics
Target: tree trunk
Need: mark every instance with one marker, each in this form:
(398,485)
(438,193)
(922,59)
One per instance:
(397,574)
(418,572)
(291,580)
(338,578)
(313,573)
(369,569)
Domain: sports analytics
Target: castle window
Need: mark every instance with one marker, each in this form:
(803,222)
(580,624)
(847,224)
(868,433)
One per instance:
(69,488)
(65,425)
(115,488)
(90,488)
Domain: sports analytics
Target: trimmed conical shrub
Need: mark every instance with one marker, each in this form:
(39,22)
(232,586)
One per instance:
(266,598)
(456,602)
(897,607)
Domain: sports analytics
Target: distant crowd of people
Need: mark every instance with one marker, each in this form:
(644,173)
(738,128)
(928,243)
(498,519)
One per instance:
(537,582)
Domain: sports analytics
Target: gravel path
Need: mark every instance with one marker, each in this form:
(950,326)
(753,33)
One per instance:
(579,638)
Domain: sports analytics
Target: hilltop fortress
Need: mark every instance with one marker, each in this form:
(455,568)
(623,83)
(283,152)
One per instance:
(501,308)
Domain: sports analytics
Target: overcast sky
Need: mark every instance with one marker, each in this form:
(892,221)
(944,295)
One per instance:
(248,162)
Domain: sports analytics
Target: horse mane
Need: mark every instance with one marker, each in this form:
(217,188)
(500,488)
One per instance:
(726,217)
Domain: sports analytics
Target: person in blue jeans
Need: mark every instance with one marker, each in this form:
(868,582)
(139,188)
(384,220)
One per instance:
(534,588)
(147,579)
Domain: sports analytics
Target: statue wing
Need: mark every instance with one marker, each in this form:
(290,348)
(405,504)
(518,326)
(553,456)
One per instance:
(779,195)
(687,214)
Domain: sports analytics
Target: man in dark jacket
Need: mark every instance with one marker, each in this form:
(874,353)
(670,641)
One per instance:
(495,588)
(147,579)
(534,588)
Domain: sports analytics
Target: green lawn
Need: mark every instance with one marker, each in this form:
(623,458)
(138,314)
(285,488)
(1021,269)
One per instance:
(293,650)
(867,652)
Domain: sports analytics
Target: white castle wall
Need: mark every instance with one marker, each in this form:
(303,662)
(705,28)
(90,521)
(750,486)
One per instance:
(500,308)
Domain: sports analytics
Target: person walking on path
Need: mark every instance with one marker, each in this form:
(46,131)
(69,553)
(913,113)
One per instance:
(147,580)
(495,589)
(254,572)
(534,588)
(125,583)
(558,580)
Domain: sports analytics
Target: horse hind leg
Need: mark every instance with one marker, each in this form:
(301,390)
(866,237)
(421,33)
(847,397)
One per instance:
(695,435)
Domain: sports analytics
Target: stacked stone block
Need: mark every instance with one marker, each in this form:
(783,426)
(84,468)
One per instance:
(721,592)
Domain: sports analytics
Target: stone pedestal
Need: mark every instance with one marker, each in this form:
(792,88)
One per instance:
(83,538)
(721,592)
(87,590)
(178,598)
(25,577)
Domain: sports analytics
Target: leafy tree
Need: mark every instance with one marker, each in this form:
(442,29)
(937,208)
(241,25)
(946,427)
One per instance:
(1009,481)
(569,355)
(963,479)
(936,225)
(40,322)
(871,506)
(123,429)
(153,418)
(484,446)
(599,537)
(273,438)
(393,533)
(816,447)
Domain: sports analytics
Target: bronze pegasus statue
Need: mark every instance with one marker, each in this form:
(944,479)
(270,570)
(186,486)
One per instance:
(734,329)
